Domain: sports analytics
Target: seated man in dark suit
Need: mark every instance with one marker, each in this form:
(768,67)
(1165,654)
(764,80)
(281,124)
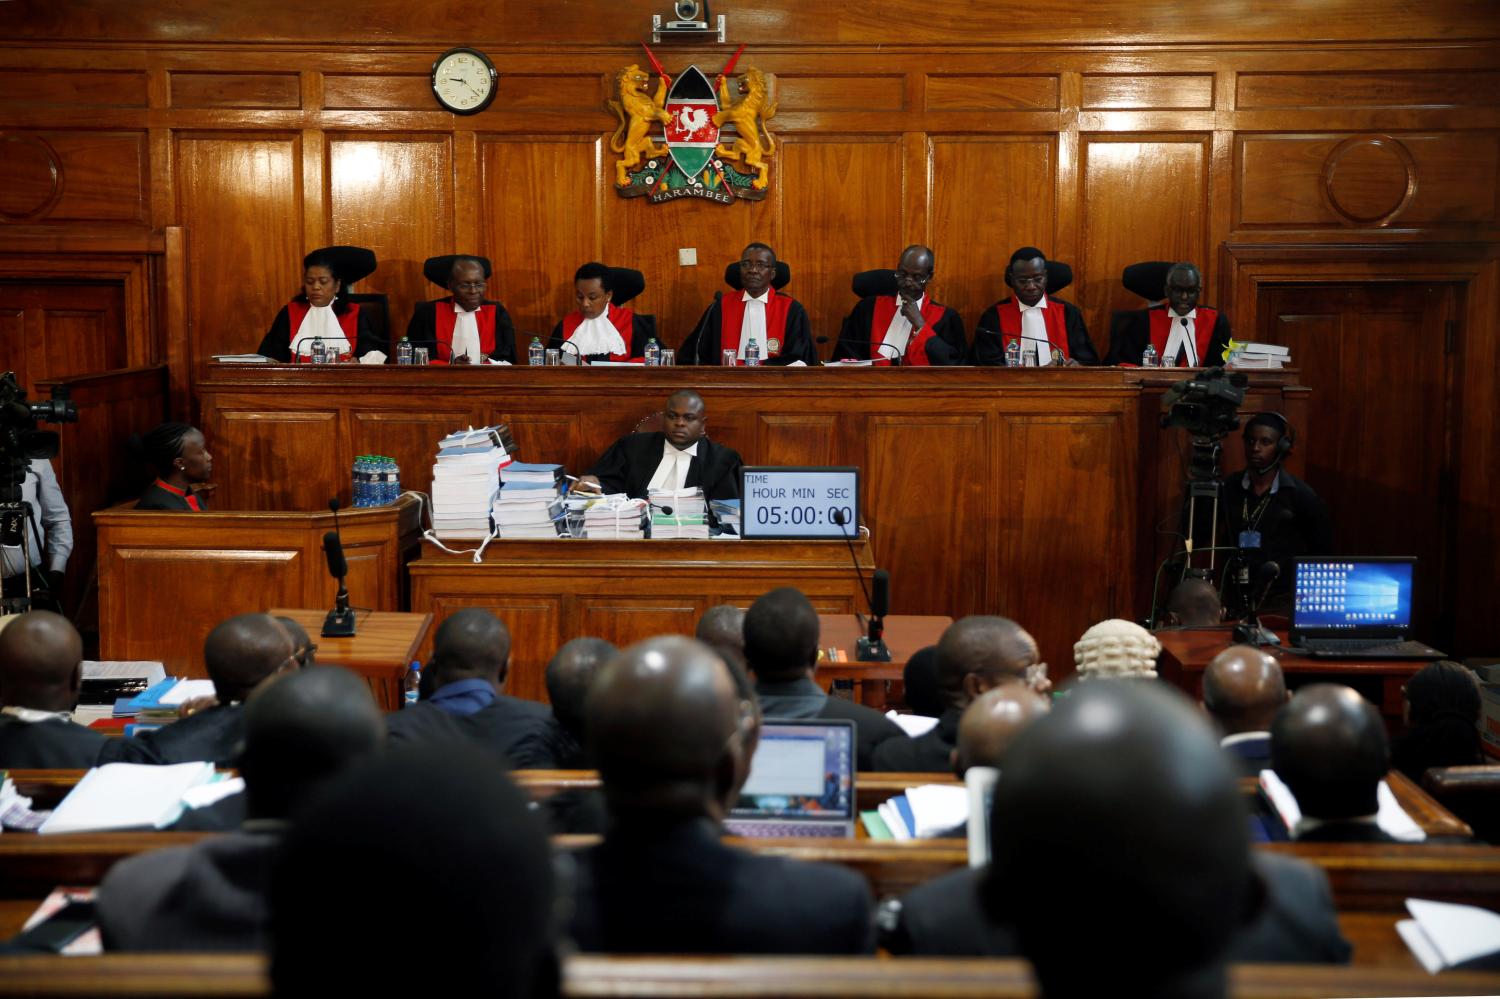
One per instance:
(41,672)
(468,883)
(1328,746)
(671,737)
(681,457)
(974,654)
(210,896)
(570,676)
(781,649)
(463,694)
(1242,690)
(240,654)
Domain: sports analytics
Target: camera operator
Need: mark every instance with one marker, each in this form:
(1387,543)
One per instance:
(1272,515)
(49,530)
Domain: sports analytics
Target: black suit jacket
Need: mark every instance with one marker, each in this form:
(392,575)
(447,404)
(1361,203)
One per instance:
(989,349)
(930,753)
(631,461)
(157,498)
(513,728)
(1132,332)
(1251,756)
(948,345)
(1347,832)
(803,698)
(675,888)
(213,734)
(53,744)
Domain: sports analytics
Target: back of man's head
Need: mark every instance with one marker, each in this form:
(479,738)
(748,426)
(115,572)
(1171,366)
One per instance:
(665,725)
(242,651)
(781,635)
(1194,603)
(471,882)
(301,730)
(470,644)
(1328,744)
(41,658)
(1243,689)
(570,673)
(722,625)
(919,678)
(979,652)
(990,724)
(1125,785)
(302,644)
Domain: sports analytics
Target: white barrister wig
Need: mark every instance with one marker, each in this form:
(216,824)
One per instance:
(1116,649)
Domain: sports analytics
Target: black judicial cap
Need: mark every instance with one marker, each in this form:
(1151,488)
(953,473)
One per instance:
(781,280)
(1147,279)
(437,269)
(348,263)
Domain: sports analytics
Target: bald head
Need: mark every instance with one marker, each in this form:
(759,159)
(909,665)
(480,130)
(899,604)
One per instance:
(1194,603)
(781,635)
(470,644)
(243,651)
(991,723)
(662,721)
(570,674)
(1328,744)
(300,731)
(1125,784)
(977,653)
(1243,689)
(301,642)
(722,625)
(40,662)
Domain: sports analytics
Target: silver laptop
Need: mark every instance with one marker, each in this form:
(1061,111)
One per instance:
(1356,608)
(801,782)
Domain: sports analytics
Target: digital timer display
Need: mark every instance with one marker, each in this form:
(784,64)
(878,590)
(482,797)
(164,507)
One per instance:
(799,502)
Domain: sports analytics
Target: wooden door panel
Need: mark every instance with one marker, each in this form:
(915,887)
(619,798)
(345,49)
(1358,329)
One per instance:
(632,619)
(56,329)
(798,439)
(292,467)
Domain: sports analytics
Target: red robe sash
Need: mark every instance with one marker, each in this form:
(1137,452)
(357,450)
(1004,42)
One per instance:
(188,495)
(1010,325)
(621,318)
(916,346)
(732,317)
(349,322)
(1203,332)
(445,319)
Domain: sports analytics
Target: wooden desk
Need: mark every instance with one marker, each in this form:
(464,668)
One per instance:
(905,634)
(1185,655)
(383,646)
(548,592)
(989,490)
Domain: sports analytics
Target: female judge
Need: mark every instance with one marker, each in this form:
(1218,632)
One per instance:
(322,310)
(602,329)
(182,461)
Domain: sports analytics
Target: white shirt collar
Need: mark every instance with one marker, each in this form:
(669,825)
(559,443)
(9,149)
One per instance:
(1239,737)
(32,715)
(463,311)
(763,298)
(668,448)
(1189,314)
(598,336)
(1275,483)
(1040,304)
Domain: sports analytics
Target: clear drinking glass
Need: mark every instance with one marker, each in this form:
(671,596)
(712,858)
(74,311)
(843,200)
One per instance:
(667,358)
(553,357)
(731,358)
(419,356)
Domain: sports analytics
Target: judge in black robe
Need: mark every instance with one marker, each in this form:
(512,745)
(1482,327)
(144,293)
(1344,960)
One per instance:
(937,339)
(1030,275)
(632,461)
(757,278)
(433,324)
(1209,326)
(601,293)
(326,273)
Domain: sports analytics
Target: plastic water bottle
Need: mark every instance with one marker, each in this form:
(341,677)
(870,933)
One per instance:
(387,480)
(536,354)
(1013,354)
(1149,358)
(319,351)
(359,485)
(395,481)
(412,684)
(653,353)
(752,354)
(404,351)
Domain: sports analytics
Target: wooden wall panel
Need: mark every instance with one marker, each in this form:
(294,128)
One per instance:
(553,91)
(307,448)
(408,431)
(991,93)
(798,438)
(59,329)
(1385,89)
(72,88)
(990,196)
(1131,90)
(236,90)
(839,93)
(240,199)
(392,92)
(393,194)
(73,176)
(1143,200)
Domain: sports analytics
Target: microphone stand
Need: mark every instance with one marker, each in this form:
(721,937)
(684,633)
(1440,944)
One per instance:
(340,621)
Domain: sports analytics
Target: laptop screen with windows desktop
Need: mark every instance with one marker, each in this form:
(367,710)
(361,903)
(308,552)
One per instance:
(1350,594)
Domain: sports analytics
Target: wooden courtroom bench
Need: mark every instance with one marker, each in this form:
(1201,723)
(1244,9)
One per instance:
(218,976)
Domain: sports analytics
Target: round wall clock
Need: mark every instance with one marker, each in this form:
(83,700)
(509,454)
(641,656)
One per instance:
(464,80)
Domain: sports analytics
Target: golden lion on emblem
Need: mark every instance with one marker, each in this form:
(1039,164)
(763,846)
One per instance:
(636,112)
(748,115)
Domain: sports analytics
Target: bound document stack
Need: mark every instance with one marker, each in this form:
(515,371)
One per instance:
(528,510)
(615,517)
(466,478)
(688,517)
(1263,356)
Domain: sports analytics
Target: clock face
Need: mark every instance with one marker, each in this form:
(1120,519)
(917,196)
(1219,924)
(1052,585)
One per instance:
(464,81)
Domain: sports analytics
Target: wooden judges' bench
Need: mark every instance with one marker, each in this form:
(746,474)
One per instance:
(1029,491)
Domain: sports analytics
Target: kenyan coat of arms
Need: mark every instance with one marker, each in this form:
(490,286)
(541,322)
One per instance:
(692,138)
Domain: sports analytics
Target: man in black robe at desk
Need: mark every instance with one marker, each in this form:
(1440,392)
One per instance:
(680,457)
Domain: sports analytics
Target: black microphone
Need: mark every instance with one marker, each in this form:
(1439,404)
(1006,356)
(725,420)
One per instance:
(872,648)
(1250,631)
(895,357)
(340,621)
(577,354)
(698,330)
(666,510)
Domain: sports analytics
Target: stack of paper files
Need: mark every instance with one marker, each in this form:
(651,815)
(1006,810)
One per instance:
(925,812)
(160,702)
(1446,935)
(1249,354)
(528,510)
(466,478)
(689,516)
(524,472)
(106,683)
(15,809)
(127,796)
(615,517)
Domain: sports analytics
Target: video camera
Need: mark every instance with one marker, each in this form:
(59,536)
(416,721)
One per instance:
(1207,405)
(20,441)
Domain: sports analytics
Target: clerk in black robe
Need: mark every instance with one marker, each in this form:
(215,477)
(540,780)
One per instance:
(602,324)
(633,462)
(896,321)
(757,310)
(1032,317)
(1184,333)
(321,310)
(465,327)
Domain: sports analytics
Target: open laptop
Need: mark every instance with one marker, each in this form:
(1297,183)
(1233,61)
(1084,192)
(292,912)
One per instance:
(801,782)
(1355,608)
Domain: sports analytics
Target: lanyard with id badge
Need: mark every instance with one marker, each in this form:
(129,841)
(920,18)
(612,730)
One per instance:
(1250,536)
